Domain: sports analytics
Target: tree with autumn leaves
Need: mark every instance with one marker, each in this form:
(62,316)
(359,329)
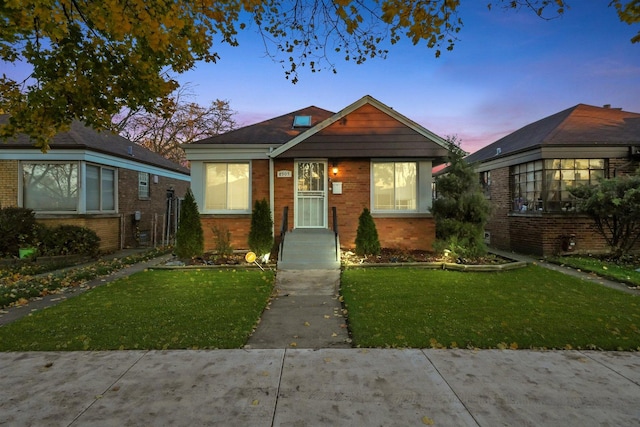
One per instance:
(92,59)
(183,122)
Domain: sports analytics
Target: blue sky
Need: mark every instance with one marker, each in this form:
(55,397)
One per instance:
(508,69)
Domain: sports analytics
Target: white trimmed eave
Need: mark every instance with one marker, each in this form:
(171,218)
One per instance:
(65,155)
(203,152)
(367,99)
(555,152)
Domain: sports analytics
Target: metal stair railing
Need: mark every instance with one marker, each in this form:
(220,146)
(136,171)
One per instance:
(283,230)
(335,232)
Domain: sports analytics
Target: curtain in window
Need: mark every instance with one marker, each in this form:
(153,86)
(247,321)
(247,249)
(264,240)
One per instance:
(394,186)
(227,186)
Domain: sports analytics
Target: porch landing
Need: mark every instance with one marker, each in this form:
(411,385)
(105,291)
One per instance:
(310,249)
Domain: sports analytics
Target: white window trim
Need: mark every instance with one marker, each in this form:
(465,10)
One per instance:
(423,188)
(204,210)
(81,207)
(148,186)
(83,187)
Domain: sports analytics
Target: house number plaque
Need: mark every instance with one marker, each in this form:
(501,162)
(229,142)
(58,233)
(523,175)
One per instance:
(284,174)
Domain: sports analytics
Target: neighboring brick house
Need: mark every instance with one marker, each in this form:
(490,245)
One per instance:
(528,173)
(97,180)
(311,160)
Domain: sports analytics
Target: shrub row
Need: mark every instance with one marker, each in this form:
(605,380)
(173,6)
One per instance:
(18,229)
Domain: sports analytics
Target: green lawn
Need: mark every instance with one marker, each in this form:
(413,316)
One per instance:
(155,309)
(531,307)
(621,271)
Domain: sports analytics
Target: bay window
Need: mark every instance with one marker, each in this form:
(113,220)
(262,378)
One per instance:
(544,185)
(60,187)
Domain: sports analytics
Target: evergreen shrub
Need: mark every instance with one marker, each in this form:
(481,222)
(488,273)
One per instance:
(367,242)
(189,238)
(261,233)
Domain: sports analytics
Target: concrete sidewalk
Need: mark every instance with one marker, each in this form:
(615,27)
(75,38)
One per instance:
(337,387)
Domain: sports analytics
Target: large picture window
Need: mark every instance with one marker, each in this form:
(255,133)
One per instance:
(50,186)
(394,186)
(544,185)
(227,187)
(57,186)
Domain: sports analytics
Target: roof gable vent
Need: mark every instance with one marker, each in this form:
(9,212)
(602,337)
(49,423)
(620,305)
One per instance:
(302,121)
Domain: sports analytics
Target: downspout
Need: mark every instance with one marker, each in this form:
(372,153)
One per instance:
(271,193)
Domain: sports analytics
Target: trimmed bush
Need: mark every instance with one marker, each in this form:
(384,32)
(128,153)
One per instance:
(17,229)
(260,235)
(223,241)
(367,242)
(189,238)
(68,240)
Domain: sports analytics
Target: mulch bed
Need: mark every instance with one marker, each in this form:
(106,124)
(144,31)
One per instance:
(392,256)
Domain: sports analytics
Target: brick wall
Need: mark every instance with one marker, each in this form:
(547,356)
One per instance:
(497,226)
(405,233)
(543,234)
(8,183)
(153,210)
(239,226)
(107,227)
(283,193)
(355,176)
(356,189)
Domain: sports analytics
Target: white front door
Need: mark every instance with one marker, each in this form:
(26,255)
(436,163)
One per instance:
(311,194)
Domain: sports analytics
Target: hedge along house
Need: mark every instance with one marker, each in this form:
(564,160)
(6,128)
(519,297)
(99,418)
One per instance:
(528,174)
(99,180)
(310,161)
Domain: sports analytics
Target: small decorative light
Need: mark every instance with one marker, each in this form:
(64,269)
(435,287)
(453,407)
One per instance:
(335,170)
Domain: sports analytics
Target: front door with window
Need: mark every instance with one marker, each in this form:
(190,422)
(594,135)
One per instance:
(311,194)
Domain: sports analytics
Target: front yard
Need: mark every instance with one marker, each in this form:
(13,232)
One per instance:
(387,307)
(198,309)
(531,307)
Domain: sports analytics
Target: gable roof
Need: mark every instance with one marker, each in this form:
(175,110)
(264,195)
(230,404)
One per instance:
(82,137)
(276,131)
(582,125)
(398,136)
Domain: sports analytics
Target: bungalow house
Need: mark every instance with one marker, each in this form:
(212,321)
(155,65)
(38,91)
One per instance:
(99,180)
(311,163)
(527,176)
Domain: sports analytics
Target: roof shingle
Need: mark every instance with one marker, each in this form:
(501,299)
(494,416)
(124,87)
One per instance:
(80,136)
(276,131)
(581,125)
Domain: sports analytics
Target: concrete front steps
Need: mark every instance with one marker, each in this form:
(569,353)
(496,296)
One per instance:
(309,249)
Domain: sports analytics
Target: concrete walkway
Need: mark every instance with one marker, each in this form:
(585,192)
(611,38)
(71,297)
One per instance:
(305,312)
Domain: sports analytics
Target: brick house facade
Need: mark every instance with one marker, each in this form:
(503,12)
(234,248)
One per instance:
(526,175)
(108,179)
(382,162)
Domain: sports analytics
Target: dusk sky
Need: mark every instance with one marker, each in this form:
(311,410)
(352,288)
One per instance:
(508,69)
